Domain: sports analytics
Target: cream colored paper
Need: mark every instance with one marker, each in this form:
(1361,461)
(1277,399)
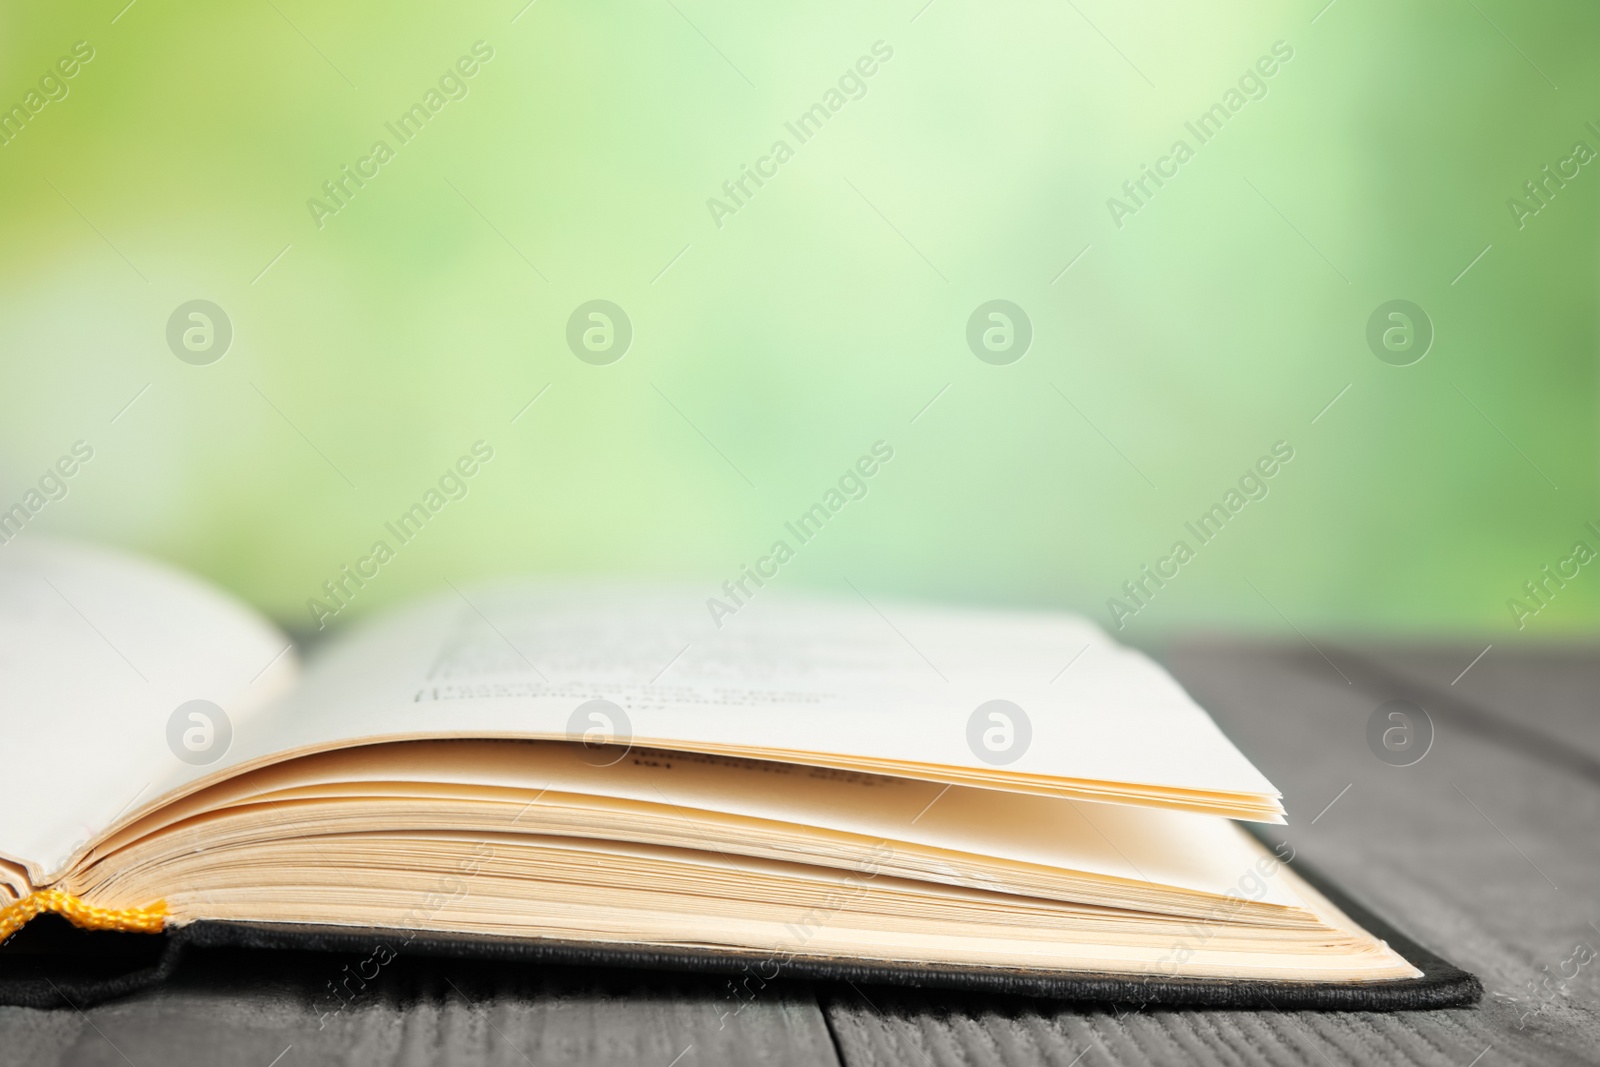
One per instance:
(98,662)
(97,650)
(839,682)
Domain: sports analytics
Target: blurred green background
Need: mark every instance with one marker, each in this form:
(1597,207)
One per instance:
(772,351)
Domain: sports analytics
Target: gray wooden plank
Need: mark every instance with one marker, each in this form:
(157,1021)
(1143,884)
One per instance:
(1484,850)
(1545,690)
(900,1029)
(251,1008)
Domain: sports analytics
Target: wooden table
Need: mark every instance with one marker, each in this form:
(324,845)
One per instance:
(1486,850)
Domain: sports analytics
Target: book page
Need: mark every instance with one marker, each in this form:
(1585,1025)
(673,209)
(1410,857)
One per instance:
(728,804)
(101,658)
(784,677)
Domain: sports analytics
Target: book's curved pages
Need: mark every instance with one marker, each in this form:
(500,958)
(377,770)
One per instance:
(566,766)
(63,967)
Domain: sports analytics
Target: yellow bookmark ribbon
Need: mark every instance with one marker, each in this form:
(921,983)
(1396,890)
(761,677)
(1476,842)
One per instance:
(149,920)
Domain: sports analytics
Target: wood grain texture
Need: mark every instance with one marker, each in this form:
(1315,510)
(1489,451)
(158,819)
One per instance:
(249,1008)
(1486,850)
(895,1029)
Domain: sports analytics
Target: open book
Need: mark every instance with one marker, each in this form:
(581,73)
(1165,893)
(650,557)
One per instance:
(901,791)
